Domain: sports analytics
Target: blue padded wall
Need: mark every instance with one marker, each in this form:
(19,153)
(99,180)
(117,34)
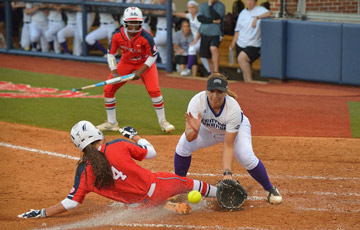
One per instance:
(273,44)
(351,54)
(314,51)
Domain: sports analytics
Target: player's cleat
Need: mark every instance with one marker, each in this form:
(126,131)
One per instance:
(181,208)
(273,196)
(166,126)
(108,126)
(185,72)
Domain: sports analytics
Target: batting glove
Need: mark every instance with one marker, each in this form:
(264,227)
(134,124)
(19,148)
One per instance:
(128,132)
(33,214)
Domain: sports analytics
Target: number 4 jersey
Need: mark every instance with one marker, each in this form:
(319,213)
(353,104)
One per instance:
(132,182)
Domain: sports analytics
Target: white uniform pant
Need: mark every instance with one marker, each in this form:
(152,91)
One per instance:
(90,21)
(103,31)
(243,149)
(70,30)
(37,34)
(25,36)
(160,40)
(51,33)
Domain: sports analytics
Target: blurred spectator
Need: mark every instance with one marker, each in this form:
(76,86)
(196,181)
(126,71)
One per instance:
(70,30)
(79,24)
(160,38)
(38,26)
(211,15)
(231,18)
(247,37)
(181,43)
(25,43)
(106,29)
(55,23)
(195,45)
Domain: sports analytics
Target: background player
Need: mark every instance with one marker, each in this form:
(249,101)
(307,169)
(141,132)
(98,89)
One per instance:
(55,23)
(214,116)
(107,27)
(38,25)
(138,56)
(109,170)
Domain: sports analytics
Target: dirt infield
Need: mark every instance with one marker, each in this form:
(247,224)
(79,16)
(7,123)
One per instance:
(303,140)
(318,178)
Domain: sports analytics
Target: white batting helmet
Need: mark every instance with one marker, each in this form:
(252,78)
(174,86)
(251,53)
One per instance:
(84,133)
(133,14)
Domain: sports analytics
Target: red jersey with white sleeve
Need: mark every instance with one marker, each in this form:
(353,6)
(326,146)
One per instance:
(136,50)
(132,182)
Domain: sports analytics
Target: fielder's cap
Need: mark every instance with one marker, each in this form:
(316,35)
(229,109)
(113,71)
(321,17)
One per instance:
(192,2)
(217,83)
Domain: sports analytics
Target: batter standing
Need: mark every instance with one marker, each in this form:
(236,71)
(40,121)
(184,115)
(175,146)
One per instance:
(139,54)
(214,116)
(109,169)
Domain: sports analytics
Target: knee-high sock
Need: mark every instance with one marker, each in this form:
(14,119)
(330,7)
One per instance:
(181,164)
(100,47)
(260,175)
(204,188)
(110,106)
(65,47)
(158,104)
(191,61)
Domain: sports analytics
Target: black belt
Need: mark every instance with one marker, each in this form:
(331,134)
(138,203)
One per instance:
(161,29)
(105,23)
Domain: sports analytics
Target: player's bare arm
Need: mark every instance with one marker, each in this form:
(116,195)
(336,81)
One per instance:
(192,126)
(228,153)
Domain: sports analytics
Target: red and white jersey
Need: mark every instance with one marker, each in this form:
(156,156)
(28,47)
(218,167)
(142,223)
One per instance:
(227,120)
(136,50)
(132,182)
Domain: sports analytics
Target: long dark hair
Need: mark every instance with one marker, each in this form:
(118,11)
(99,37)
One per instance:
(100,166)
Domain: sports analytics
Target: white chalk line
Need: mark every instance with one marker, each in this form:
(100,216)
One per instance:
(213,175)
(38,151)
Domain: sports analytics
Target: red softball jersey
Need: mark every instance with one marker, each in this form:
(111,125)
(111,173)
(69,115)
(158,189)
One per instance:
(132,182)
(136,50)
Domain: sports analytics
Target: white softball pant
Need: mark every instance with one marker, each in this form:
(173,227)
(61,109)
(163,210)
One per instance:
(90,21)
(37,34)
(160,41)
(25,36)
(51,33)
(243,149)
(70,30)
(103,31)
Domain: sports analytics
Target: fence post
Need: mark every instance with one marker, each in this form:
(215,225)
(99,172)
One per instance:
(169,45)
(8,17)
(84,13)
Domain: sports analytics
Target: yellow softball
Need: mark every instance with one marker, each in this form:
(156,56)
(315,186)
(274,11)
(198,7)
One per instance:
(194,196)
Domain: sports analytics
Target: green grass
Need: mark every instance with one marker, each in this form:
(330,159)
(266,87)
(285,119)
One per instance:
(354,108)
(134,107)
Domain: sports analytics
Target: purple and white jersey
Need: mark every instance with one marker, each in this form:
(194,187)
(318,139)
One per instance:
(227,120)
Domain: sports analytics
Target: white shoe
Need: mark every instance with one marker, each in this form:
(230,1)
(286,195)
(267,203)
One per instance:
(273,196)
(108,126)
(166,126)
(185,72)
